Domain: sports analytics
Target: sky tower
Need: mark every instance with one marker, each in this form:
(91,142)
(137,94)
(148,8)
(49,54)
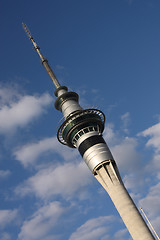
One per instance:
(82,129)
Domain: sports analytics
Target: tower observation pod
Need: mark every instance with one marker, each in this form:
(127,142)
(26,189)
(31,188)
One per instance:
(82,129)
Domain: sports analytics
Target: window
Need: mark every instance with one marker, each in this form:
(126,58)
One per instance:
(86,130)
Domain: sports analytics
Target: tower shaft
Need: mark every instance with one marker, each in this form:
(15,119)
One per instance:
(108,176)
(82,129)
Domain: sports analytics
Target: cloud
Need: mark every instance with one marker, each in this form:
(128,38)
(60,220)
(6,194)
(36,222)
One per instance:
(124,149)
(137,175)
(5,236)
(155,224)
(17,110)
(125,118)
(135,182)
(153,197)
(7,216)
(120,235)
(8,95)
(154,134)
(155,161)
(40,224)
(110,135)
(151,206)
(126,155)
(93,229)
(28,154)
(142,175)
(153,142)
(62,180)
(4,174)
(59,67)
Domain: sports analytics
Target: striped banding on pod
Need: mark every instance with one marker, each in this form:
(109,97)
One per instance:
(94,150)
(89,142)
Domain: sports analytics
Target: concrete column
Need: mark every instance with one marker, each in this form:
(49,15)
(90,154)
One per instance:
(107,174)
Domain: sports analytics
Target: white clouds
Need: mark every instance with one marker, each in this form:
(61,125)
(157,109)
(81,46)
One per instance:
(154,134)
(71,179)
(125,121)
(123,149)
(149,176)
(42,221)
(17,110)
(151,206)
(120,235)
(136,178)
(7,216)
(4,173)
(93,229)
(156,225)
(110,135)
(5,236)
(8,95)
(64,179)
(29,153)
(151,202)
(126,155)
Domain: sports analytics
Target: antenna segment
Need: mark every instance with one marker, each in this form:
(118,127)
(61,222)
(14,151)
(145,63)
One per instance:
(43,59)
(150,223)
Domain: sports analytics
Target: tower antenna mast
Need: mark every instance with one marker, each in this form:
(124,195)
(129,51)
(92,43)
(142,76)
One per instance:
(149,223)
(82,129)
(43,59)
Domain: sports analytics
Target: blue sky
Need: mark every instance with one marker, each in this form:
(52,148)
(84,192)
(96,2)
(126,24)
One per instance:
(109,53)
